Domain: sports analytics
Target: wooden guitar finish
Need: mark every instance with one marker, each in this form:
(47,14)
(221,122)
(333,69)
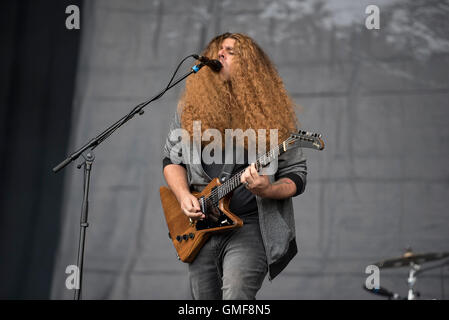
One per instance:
(189,237)
(185,237)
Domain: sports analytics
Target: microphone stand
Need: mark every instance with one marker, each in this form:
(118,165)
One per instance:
(89,159)
(83,222)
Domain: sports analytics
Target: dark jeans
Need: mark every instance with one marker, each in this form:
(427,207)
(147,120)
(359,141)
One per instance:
(231,265)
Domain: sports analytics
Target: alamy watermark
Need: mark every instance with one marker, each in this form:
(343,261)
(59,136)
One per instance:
(373,20)
(372,282)
(73,279)
(187,149)
(73,20)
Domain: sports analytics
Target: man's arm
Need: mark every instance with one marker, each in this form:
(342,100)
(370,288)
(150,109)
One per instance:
(280,189)
(260,185)
(176,177)
(176,174)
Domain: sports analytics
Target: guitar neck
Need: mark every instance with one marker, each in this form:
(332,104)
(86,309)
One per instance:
(302,139)
(234,181)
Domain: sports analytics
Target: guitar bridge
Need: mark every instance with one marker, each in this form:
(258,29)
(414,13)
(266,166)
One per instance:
(202,204)
(214,219)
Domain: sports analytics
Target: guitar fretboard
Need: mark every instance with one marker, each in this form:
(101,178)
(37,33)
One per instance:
(234,181)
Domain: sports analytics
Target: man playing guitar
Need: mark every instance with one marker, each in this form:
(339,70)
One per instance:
(247,93)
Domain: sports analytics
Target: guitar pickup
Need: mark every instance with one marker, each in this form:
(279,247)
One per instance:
(202,204)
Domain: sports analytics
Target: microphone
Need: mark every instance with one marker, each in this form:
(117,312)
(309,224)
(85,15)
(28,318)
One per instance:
(215,65)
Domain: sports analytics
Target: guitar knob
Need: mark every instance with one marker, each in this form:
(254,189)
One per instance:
(179,238)
(185,237)
(191,235)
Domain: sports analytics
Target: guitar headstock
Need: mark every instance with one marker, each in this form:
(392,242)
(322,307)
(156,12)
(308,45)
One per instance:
(305,139)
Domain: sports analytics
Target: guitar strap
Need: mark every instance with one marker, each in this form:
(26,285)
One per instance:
(226,172)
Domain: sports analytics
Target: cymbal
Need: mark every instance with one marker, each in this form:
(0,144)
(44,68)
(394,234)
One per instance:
(410,257)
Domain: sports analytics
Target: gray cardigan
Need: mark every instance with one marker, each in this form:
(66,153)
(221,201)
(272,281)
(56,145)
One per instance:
(276,217)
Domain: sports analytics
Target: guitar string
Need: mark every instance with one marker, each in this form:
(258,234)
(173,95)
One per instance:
(229,186)
(230,183)
(234,180)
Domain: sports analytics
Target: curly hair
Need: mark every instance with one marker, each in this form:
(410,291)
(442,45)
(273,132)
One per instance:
(254,96)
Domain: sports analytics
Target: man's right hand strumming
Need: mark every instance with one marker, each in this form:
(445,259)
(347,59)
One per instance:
(191,207)
(176,177)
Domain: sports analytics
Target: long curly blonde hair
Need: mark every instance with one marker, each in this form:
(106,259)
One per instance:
(254,96)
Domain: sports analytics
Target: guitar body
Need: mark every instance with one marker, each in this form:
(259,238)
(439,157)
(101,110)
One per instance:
(189,238)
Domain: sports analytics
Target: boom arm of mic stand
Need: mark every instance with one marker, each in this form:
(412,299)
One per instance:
(88,165)
(106,133)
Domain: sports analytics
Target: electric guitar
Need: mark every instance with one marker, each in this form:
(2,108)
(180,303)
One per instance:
(188,236)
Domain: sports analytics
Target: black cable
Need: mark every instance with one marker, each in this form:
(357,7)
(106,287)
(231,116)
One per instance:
(139,106)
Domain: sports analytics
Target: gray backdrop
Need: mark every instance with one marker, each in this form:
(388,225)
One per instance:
(379,97)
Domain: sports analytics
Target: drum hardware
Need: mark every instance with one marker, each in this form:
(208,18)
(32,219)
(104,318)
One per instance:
(414,262)
(384,293)
(411,280)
